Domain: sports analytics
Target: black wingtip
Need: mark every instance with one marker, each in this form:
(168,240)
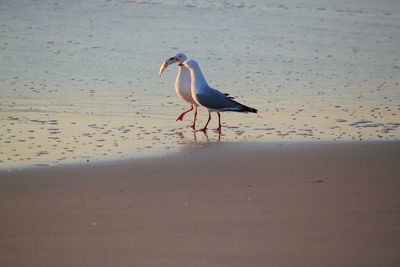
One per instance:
(244,108)
(249,109)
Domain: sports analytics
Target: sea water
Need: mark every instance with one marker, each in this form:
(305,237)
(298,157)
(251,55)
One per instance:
(79,79)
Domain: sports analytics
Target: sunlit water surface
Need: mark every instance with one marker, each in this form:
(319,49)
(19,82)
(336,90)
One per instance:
(79,78)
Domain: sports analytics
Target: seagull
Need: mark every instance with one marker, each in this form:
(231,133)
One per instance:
(182,84)
(210,98)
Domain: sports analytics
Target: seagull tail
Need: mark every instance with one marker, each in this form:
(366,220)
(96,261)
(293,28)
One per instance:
(247,109)
(244,108)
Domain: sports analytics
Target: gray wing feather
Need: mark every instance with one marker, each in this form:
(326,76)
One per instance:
(214,99)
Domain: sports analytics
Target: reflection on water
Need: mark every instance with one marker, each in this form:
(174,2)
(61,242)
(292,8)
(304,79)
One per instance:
(51,138)
(198,138)
(80,83)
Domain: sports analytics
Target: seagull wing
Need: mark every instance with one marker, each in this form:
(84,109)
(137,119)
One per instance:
(214,99)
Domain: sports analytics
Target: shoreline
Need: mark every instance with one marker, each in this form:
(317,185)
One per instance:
(184,148)
(221,205)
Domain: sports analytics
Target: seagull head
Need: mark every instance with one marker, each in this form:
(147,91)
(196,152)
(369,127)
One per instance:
(180,57)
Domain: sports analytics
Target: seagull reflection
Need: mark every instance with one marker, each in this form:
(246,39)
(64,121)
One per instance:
(197,139)
(209,141)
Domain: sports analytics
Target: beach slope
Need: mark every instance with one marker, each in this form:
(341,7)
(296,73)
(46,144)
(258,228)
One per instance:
(290,204)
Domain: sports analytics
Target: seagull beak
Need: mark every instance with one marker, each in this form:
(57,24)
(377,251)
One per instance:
(168,62)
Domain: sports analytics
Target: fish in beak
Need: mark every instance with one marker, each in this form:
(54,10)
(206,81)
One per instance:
(168,62)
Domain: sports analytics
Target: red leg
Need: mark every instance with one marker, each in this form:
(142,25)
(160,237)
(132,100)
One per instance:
(195,116)
(219,122)
(184,113)
(205,126)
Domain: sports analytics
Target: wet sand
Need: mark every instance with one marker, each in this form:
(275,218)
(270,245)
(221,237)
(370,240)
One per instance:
(289,204)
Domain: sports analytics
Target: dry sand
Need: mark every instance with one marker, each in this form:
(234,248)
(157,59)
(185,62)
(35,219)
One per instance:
(291,204)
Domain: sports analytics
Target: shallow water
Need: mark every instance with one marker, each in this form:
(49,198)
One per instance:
(79,78)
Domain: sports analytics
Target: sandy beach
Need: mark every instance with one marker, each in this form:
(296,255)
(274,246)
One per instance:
(278,204)
(96,171)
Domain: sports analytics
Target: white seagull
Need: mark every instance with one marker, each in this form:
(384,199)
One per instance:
(182,84)
(210,98)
